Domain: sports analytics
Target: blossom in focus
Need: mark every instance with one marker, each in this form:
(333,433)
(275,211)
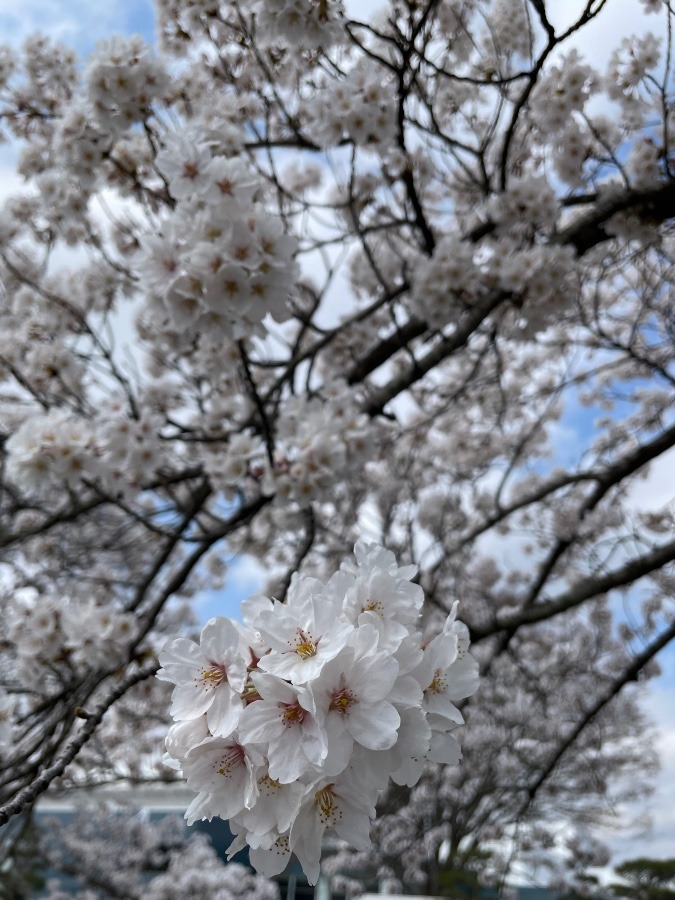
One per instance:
(209,677)
(224,774)
(304,633)
(291,724)
(284,720)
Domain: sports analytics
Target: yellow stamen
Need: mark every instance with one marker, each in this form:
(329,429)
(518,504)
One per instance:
(329,811)
(214,676)
(374,606)
(304,645)
(233,757)
(438,684)
(293,714)
(341,701)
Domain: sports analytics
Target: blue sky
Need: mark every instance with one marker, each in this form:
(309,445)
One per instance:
(245,577)
(80,24)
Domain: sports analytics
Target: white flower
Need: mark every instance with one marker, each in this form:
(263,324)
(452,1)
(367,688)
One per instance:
(269,853)
(304,633)
(447,673)
(230,183)
(50,449)
(160,257)
(224,774)
(463,672)
(444,748)
(350,694)
(284,720)
(185,164)
(337,806)
(250,610)
(381,594)
(209,677)
(409,756)
(181,738)
(330,695)
(275,809)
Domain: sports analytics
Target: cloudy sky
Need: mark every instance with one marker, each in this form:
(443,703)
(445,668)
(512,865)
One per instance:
(81,23)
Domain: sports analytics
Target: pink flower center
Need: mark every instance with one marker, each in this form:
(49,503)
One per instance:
(293,714)
(341,700)
(232,758)
(213,676)
(439,683)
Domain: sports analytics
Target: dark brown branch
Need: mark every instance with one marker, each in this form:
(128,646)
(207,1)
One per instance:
(441,350)
(654,205)
(588,589)
(631,674)
(40,784)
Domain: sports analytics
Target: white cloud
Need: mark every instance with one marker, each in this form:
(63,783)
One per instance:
(655,840)
(245,572)
(657,488)
(596,40)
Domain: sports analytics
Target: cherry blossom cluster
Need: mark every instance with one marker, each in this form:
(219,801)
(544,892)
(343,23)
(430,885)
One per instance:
(629,66)
(630,63)
(319,441)
(570,151)
(50,631)
(221,262)
(59,449)
(529,200)
(540,277)
(508,30)
(292,723)
(454,280)
(316,443)
(361,108)
(51,449)
(644,163)
(299,22)
(562,91)
(29,335)
(449,280)
(228,467)
(138,857)
(123,79)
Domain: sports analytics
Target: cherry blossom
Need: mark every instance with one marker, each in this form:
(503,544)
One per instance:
(209,677)
(308,741)
(303,634)
(224,774)
(285,721)
(302,275)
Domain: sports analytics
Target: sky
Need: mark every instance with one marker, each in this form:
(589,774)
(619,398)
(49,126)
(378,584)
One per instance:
(81,23)
(78,23)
